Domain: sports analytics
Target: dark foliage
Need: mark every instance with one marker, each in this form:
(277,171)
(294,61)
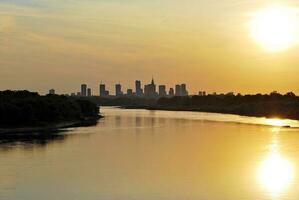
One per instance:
(23,108)
(268,105)
(120,101)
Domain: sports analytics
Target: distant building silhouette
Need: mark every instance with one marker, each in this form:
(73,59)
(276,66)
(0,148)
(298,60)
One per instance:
(84,90)
(89,92)
(201,93)
(171,92)
(118,91)
(73,94)
(184,91)
(129,92)
(103,91)
(52,91)
(150,90)
(138,88)
(181,90)
(162,91)
(178,90)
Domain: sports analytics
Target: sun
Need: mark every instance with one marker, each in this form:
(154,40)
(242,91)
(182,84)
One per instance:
(275,28)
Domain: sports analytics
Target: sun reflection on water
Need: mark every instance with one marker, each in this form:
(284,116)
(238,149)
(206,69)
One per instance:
(276,122)
(275,173)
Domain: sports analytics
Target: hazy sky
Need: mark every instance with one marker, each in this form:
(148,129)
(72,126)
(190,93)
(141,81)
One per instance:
(207,44)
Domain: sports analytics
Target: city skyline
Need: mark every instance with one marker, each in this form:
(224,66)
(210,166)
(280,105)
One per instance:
(124,87)
(147,90)
(118,90)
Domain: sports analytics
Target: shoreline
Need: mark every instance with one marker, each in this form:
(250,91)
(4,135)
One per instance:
(197,110)
(50,127)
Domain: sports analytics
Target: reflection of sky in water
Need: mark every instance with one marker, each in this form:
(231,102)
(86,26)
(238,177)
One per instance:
(154,155)
(211,117)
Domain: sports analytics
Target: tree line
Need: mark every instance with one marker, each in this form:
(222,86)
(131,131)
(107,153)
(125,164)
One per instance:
(24,108)
(261,105)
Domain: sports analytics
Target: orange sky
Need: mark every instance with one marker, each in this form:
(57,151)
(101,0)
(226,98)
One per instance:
(207,44)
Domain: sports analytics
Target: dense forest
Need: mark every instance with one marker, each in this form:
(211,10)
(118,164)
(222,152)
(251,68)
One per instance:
(267,105)
(24,108)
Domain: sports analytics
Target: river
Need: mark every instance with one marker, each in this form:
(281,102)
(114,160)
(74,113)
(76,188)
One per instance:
(155,155)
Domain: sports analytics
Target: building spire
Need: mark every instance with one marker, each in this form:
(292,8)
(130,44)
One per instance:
(153,82)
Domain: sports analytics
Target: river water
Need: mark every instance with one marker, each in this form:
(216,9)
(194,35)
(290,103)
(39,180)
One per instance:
(155,155)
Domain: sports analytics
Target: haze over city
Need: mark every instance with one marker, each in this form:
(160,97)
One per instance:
(216,46)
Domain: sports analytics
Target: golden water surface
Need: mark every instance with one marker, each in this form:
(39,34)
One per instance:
(156,155)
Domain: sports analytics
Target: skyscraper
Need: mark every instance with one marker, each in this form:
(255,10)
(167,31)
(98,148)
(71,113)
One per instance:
(184,91)
(129,92)
(88,92)
(171,92)
(138,89)
(150,90)
(178,90)
(84,90)
(162,91)
(103,92)
(118,91)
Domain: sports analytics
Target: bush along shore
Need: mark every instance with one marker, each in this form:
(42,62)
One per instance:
(24,111)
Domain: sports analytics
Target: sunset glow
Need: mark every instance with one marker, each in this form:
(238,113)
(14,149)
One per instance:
(275,122)
(120,41)
(275,28)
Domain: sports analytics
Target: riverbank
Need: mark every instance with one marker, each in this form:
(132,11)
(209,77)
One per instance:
(208,110)
(28,112)
(50,127)
(273,105)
